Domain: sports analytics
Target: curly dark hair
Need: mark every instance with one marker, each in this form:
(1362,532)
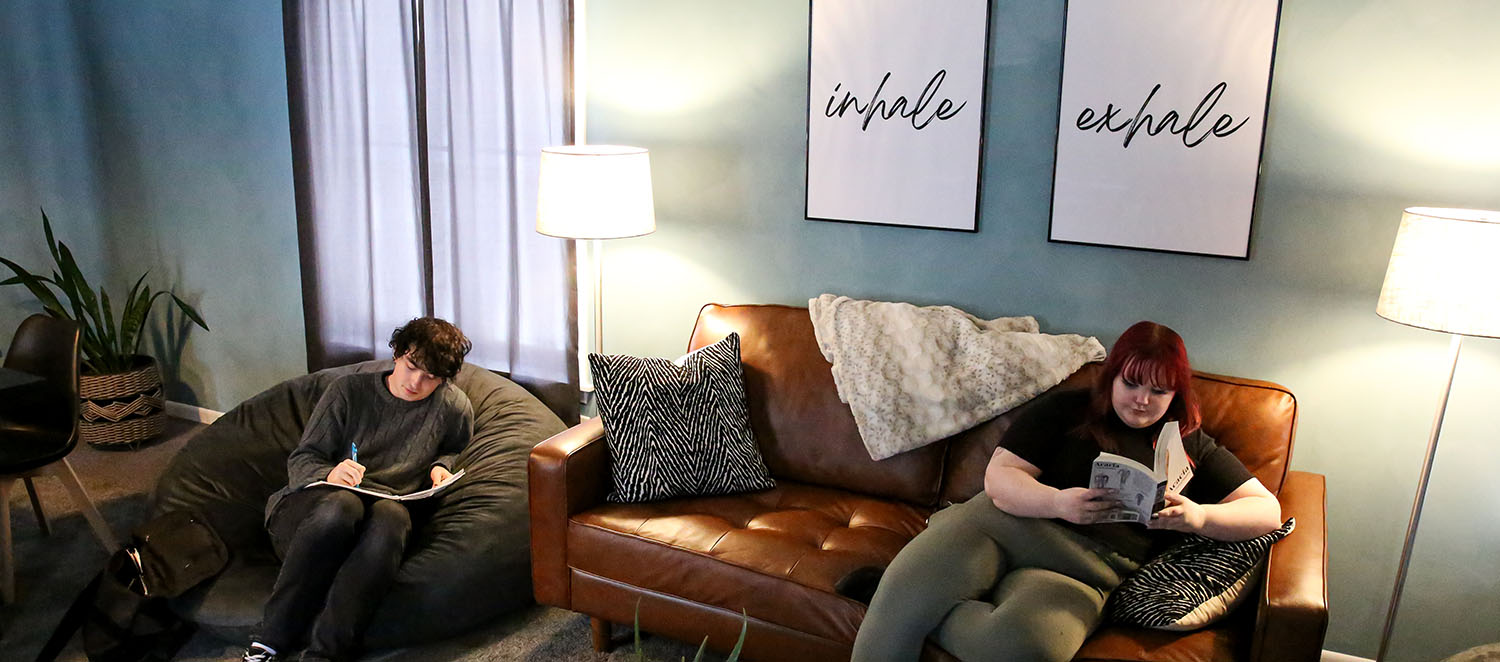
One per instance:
(435,345)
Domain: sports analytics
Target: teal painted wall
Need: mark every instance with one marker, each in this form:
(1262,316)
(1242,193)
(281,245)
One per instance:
(156,136)
(46,147)
(1374,107)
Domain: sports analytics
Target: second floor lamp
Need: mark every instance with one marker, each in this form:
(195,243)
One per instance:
(1444,275)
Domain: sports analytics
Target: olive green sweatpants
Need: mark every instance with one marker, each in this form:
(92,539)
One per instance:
(990,586)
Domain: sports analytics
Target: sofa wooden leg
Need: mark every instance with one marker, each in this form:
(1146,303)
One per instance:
(600,629)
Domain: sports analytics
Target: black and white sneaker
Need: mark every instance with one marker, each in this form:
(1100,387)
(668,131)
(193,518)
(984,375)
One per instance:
(258,653)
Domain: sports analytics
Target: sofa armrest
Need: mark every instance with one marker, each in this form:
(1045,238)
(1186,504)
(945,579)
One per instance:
(1293,610)
(567,473)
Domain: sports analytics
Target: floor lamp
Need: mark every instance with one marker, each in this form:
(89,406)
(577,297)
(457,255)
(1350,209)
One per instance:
(595,192)
(1444,275)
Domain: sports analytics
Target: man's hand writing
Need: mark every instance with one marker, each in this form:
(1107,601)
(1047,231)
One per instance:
(347,472)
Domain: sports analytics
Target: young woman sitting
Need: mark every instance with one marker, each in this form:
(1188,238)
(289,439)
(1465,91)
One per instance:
(1021,572)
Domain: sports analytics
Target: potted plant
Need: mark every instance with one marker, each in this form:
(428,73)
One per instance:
(121,388)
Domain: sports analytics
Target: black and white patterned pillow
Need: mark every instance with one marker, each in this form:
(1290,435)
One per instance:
(678,428)
(1193,583)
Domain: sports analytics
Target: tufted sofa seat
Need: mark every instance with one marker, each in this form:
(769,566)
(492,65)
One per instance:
(695,565)
(775,552)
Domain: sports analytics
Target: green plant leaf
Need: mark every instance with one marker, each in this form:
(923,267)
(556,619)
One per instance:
(133,316)
(51,243)
(701,648)
(130,296)
(116,332)
(67,287)
(734,655)
(190,312)
(37,287)
(16,280)
(78,290)
(75,275)
(146,301)
(111,337)
(95,354)
(130,300)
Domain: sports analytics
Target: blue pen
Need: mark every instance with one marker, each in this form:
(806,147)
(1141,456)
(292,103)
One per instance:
(353,452)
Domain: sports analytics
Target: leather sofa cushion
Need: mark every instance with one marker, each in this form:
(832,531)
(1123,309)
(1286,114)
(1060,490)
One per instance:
(1228,639)
(805,434)
(775,554)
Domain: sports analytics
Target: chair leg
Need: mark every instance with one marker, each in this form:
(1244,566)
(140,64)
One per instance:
(7,556)
(599,629)
(36,507)
(64,473)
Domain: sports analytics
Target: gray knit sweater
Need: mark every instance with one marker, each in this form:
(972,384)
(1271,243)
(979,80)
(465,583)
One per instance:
(399,441)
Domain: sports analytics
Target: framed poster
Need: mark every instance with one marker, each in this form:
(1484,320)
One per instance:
(895,111)
(1161,122)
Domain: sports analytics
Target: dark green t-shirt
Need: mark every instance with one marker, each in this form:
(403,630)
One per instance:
(1049,435)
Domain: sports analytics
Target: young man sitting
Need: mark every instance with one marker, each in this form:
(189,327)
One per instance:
(393,432)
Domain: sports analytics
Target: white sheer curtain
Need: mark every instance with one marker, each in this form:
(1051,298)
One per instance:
(392,237)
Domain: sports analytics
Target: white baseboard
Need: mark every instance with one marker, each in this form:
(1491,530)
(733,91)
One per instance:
(191,413)
(1330,656)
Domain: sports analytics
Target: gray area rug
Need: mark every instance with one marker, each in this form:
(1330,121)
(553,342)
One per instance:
(51,570)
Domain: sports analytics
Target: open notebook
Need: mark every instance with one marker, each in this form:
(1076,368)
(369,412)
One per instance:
(422,494)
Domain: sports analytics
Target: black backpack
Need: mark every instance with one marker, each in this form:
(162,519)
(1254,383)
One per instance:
(123,611)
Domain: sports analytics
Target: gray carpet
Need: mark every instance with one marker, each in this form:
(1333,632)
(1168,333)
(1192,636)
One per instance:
(51,570)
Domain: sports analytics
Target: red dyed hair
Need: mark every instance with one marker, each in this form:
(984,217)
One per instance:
(1152,354)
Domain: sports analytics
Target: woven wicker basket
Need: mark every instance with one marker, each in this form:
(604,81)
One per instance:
(122,409)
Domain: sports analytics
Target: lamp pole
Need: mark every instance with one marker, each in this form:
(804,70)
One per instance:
(596,246)
(1416,506)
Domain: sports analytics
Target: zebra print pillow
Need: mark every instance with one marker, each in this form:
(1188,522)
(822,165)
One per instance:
(1192,584)
(678,428)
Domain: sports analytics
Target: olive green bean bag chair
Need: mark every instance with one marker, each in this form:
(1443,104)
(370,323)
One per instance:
(469,564)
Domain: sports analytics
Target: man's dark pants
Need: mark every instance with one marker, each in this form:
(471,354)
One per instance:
(340,551)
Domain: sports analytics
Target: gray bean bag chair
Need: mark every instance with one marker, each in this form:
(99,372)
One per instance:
(469,564)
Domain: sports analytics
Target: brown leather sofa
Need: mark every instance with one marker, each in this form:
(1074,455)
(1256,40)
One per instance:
(694,564)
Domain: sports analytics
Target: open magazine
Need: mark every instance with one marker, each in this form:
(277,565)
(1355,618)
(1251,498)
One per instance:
(1142,489)
(421,494)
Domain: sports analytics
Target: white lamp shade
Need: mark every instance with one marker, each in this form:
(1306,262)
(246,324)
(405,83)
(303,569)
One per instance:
(595,192)
(1444,273)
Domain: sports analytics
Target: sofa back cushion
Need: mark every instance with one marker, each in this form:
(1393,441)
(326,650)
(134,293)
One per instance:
(1255,420)
(805,434)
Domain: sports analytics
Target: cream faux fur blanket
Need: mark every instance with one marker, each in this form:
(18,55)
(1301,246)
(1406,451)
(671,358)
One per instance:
(914,375)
